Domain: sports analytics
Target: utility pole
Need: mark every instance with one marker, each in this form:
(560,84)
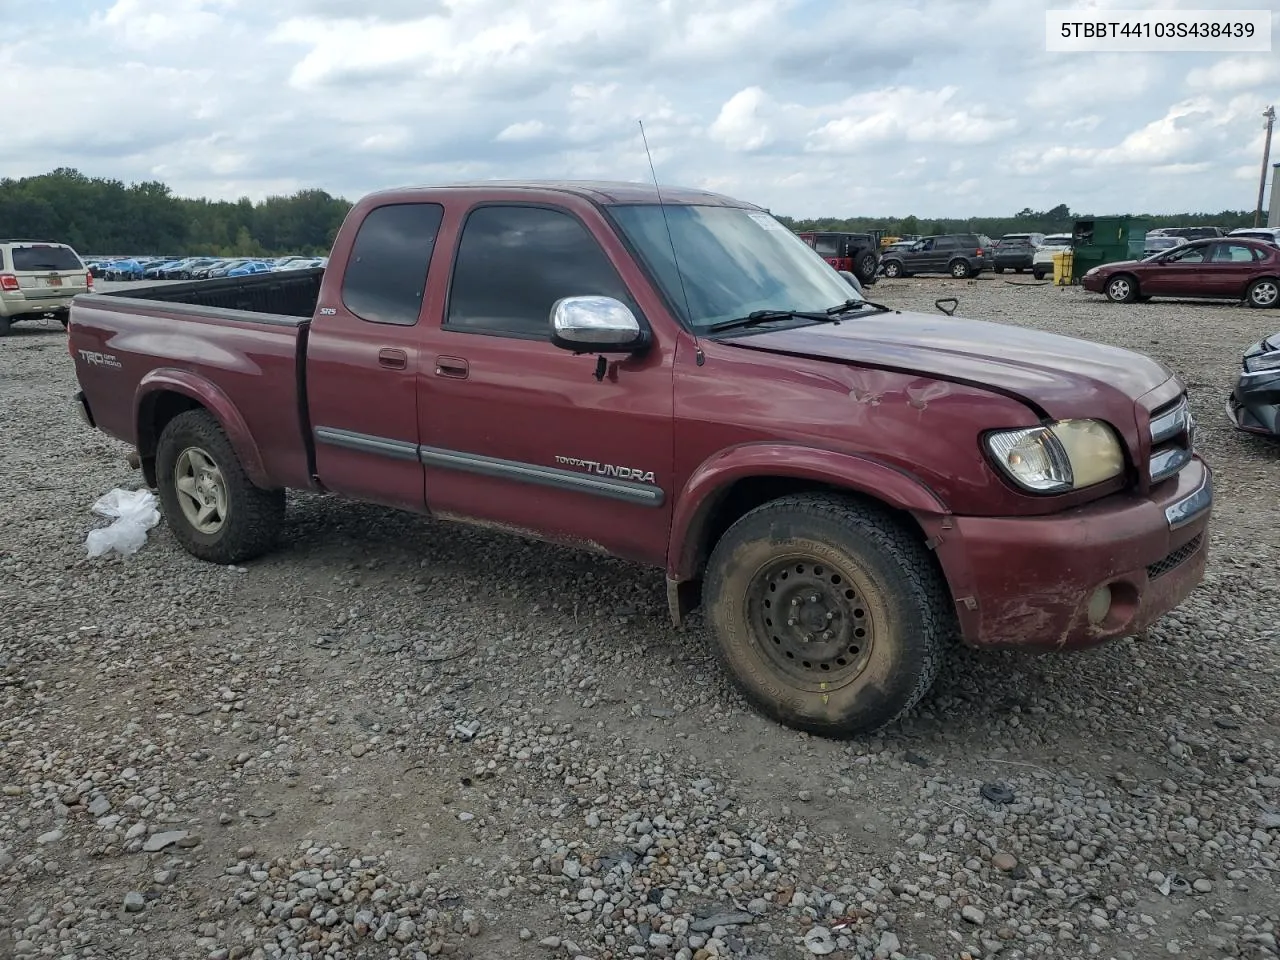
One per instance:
(1270,114)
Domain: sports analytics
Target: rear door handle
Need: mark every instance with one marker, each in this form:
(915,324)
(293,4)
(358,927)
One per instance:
(454,367)
(392,358)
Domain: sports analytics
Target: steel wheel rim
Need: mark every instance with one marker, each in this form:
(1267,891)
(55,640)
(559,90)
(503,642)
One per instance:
(201,490)
(958,270)
(1119,289)
(891,270)
(1265,294)
(794,597)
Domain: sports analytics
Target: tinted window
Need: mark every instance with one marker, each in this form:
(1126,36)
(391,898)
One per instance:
(1232,253)
(1188,255)
(387,272)
(44,257)
(513,263)
(945,243)
(826,246)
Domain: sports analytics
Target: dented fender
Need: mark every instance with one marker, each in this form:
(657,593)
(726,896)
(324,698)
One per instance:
(708,484)
(172,380)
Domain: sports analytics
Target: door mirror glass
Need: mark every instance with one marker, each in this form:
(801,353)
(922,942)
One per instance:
(595,324)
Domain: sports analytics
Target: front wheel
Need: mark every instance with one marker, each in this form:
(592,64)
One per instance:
(1264,293)
(1122,289)
(999,269)
(828,614)
(959,269)
(893,269)
(215,511)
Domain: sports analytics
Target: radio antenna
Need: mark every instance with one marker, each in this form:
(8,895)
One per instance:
(688,310)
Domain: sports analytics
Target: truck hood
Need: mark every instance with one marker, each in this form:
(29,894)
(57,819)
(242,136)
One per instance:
(1061,376)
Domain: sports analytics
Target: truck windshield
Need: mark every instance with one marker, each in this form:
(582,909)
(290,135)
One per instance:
(733,262)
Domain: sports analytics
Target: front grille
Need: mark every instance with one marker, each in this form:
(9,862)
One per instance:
(1173,560)
(1172,439)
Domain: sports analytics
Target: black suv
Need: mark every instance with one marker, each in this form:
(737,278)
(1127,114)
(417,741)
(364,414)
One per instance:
(1017,251)
(959,254)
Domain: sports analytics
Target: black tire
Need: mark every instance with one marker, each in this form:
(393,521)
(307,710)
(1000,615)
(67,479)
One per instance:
(1038,274)
(253,516)
(867,267)
(893,269)
(1017,269)
(883,607)
(959,268)
(5,326)
(1264,293)
(1122,288)
(998,269)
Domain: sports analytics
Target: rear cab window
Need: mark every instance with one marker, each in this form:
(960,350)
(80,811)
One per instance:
(386,274)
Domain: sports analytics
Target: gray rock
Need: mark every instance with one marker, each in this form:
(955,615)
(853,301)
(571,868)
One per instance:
(133,902)
(53,836)
(973,914)
(100,807)
(708,924)
(158,841)
(889,943)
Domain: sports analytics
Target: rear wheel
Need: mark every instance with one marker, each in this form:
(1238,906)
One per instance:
(999,269)
(959,268)
(1264,293)
(828,614)
(5,326)
(1038,273)
(215,511)
(1122,289)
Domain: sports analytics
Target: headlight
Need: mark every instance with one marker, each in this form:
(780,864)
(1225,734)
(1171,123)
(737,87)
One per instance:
(1067,455)
(1267,361)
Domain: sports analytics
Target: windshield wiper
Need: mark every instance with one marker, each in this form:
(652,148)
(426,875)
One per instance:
(855,304)
(765,316)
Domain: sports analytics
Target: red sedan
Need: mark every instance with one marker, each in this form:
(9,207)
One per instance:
(1219,267)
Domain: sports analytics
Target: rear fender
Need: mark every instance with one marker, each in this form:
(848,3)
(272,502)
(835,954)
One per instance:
(212,398)
(708,484)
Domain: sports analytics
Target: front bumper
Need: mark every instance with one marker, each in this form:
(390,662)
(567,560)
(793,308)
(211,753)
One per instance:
(1094,283)
(1254,403)
(1027,582)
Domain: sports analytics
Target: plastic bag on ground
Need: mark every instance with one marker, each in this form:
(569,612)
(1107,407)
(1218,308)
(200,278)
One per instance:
(134,513)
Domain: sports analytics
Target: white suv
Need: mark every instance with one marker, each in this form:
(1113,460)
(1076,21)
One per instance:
(38,278)
(1050,243)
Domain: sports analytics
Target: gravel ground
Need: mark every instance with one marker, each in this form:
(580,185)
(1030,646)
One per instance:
(397,738)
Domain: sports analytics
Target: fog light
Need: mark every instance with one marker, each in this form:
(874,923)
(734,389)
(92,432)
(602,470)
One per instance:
(1099,605)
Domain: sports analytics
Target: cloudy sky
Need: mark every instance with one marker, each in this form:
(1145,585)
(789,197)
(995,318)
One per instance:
(931,107)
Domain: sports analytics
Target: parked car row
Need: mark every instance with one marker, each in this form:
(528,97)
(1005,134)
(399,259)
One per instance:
(195,268)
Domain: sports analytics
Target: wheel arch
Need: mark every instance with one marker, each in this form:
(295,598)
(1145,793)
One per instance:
(165,393)
(731,484)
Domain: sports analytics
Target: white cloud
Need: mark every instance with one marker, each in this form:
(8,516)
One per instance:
(807,109)
(524,130)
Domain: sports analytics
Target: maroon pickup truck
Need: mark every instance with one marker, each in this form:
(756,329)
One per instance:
(681,381)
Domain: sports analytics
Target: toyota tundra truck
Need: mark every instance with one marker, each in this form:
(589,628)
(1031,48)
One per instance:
(673,377)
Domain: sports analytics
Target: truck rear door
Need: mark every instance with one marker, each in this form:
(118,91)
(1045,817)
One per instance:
(519,432)
(364,356)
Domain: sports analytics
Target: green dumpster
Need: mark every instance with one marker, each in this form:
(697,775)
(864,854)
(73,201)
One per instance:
(1099,240)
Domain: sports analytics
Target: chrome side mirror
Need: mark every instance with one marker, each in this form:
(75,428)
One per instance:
(595,324)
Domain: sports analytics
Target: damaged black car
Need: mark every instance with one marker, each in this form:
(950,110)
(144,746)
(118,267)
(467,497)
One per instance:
(1254,404)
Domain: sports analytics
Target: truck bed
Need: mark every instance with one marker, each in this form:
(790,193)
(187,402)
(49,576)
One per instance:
(236,345)
(290,293)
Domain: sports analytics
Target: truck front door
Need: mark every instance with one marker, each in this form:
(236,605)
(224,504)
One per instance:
(518,432)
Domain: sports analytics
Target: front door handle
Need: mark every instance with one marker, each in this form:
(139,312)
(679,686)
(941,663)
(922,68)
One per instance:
(454,367)
(392,358)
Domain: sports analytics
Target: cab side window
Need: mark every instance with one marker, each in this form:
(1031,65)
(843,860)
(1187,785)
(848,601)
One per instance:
(514,262)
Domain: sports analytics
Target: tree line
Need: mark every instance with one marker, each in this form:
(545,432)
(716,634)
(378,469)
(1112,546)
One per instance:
(99,216)
(103,217)
(1059,219)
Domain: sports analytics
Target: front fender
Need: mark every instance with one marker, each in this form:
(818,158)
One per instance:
(212,398)
(713,478)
